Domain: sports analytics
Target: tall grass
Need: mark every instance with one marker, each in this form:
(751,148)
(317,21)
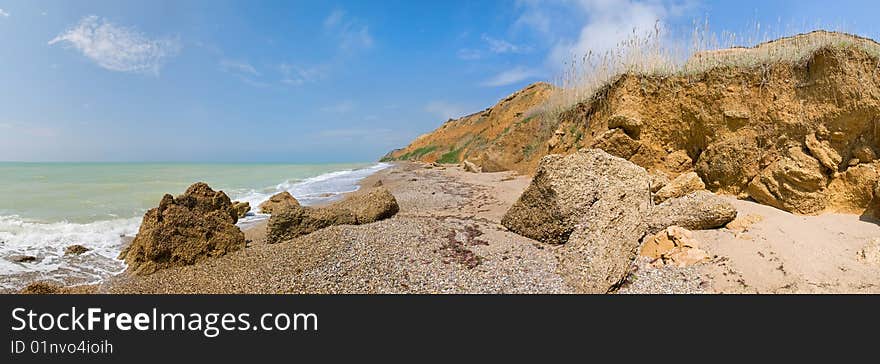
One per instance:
(661,53)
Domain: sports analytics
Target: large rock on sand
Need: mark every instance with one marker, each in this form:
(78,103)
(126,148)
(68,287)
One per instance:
(183,230)
(292,221)
(595,204)
(277,202)
(699,210)
(565,188)
(241,208)
(792,183)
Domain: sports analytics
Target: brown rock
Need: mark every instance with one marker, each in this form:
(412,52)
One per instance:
(729,165)
(864,154)
(241,208)
(42,287)
(743,223)
(75,250)
(194,226)
(294,221)
(678,161)
(277,201)
(657,181)
(21,258)
(823,152)
(471,167)
(792,183)
(699,210)
(631,126)
(673,246)
(617,143)
(680,186)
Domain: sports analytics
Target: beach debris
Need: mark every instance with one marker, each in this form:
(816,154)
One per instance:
(21,258)
(75,249)
(183,230)
(277,201)
(293,221)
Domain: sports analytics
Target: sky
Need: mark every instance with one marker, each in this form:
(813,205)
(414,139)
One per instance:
(308,81)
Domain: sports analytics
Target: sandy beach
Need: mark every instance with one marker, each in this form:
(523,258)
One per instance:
(447,238)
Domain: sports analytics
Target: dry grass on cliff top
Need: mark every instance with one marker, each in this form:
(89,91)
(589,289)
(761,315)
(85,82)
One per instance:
(661,54)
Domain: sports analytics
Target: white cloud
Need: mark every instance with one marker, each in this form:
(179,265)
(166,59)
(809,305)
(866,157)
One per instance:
(351,33)
(118,48)
(444,109)
(468,54)
(511,76)
(339,108)
(4,13)
(576,27)
(241,67)
(503,46)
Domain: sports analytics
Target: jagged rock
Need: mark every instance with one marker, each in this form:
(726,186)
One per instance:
(823,152)
(792,183)
(617,143)
(278,200)
(864,154)
(241,208)
(194,226)
(471,167)
(673,246)
(75,249)
(699,210)
(566,187)
(680,186)
(293,221)
(729,165)
(631,126)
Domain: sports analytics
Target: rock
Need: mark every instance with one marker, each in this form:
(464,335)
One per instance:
(729,165)
(602,201)
(678,161)
(823,152)
(471,167)
(21,258)
(864,154)
(657,181)
(294,221)
(617,143)
(42,288)
(631,126)
(743,223)
(699,210)
(792,183)
(565,188)
(680,186)
(278,200)
(184,230)
(75,250)
(378,204)
(241,208)
(673,246)
(378,183)
(870,253)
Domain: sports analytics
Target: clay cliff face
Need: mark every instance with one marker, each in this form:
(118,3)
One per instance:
(800,136)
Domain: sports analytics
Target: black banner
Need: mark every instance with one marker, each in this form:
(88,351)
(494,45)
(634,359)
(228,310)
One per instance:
(128,327)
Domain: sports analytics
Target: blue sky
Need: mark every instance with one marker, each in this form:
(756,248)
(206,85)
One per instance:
(306,81)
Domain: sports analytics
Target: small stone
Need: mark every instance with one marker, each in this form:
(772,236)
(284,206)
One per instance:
(75,249)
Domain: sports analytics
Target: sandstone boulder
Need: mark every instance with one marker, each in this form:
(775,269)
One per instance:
(729,165)
(565,188)
(183,230)
(293,221)
(864,154)
(793,183)
(277,201)
(699,210)
(680,186)
(673,246)
(471,167)
(241,208)
(631,126)
(617,143)
(823,152)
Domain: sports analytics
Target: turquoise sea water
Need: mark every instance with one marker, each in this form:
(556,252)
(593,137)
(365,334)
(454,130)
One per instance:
(45,207)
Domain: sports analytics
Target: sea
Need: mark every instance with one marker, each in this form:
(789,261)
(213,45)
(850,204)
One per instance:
(45,207)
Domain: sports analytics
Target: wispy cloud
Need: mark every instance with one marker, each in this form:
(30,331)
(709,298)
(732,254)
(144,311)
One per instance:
(444,109)
(511,76)
(339,108)
(501,46)
(4,13)
(469,54)
(351,33)
(118,48)
(241,67)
